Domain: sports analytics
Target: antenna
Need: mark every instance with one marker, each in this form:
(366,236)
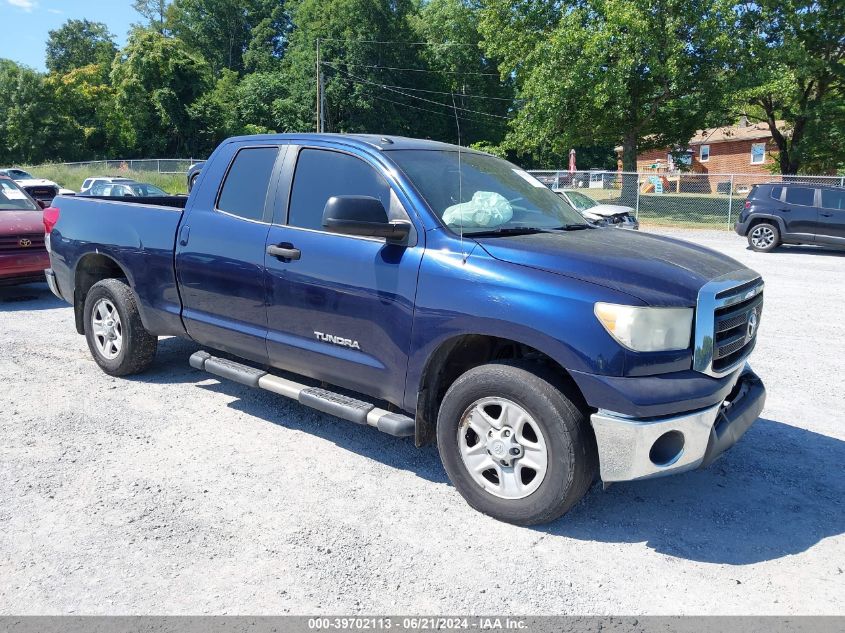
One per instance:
(460,177)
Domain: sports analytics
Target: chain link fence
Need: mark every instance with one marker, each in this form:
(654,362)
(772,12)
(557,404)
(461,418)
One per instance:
(155,165)
(675,199)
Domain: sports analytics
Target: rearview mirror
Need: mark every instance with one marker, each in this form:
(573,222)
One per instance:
(362,215)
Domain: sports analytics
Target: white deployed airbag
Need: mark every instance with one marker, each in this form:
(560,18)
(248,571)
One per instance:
(487,208)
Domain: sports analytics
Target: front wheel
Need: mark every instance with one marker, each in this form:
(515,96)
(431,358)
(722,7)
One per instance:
(763,237)
(515,443)
(116,337)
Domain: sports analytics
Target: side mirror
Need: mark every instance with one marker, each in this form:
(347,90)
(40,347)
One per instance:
(362,215)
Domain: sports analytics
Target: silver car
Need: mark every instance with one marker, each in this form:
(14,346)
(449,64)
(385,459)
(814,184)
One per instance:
(615,215)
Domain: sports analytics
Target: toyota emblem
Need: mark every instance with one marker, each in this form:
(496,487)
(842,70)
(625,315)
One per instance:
(25,243)
(752,325)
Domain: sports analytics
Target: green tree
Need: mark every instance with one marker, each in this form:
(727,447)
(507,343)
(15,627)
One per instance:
(458,65)
(356,63)
(227,32)
(791,68)
(154,11)
(31,129)
(79,43)
(596,72)
(156,81)
(84,101)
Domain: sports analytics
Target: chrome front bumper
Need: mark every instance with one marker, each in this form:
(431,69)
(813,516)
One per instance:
(637,448)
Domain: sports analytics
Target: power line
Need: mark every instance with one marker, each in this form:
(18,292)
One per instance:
(408,105)
(396,42)
(397,90)
(420,70)
(436,92)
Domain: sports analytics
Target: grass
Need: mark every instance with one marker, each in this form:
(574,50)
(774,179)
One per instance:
(71,177)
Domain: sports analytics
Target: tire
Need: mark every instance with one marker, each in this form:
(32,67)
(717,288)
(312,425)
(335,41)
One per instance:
(764,237)
(119,344)
(556,419)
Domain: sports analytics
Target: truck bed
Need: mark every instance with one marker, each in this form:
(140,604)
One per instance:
(136,234)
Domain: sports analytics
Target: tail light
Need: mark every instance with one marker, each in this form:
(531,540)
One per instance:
(748,204)
(50,217)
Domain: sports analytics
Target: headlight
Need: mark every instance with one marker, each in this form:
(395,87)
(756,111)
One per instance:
(647,329)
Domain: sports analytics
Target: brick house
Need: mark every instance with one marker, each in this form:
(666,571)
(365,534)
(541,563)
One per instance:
(745,148)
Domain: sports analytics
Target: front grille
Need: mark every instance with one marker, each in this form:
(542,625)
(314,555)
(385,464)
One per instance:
(734,337)
(28,242)
(728,318)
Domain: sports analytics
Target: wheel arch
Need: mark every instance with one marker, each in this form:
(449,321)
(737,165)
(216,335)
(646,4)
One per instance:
(90,269)
(460,353)
(768,219)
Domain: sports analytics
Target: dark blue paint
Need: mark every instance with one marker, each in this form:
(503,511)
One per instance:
(400,303)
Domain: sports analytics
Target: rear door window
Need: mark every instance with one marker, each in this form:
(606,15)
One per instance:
(833,199)
(802,196)
(245,189)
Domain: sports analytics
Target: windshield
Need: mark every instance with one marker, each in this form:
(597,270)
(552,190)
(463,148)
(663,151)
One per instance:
(19,174)
(12,198)
(491,194)
(580,201)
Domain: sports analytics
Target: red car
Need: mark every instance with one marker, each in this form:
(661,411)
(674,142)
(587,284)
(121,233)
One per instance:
(23,257)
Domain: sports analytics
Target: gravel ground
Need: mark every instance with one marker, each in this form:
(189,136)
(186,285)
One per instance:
(173,492)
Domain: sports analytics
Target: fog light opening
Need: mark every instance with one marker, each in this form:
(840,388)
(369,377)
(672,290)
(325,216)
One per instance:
(667,449)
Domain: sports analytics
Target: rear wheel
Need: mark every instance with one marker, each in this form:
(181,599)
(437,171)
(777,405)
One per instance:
(116,337)
(515,443)
(764,237)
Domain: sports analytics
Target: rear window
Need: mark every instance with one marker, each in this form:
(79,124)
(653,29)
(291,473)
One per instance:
(245,189)
(833,199)
(801,196)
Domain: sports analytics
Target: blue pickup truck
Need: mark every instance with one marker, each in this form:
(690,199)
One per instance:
(430,291)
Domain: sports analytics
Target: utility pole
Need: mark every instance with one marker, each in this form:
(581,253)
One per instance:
(319,95)
(323,102)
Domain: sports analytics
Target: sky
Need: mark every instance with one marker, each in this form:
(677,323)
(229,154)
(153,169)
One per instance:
(24,24)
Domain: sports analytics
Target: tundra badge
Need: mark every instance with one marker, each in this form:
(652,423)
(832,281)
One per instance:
(337,340)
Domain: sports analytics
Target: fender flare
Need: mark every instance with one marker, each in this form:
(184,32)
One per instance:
(755,218)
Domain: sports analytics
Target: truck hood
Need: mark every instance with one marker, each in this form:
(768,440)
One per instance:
(607,210)
(658,270)
(21,222)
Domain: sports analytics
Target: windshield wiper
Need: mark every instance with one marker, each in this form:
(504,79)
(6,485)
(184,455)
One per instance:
(572,227)
(507,230)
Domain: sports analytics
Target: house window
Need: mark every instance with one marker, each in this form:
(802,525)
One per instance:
(703,153)
(758,153)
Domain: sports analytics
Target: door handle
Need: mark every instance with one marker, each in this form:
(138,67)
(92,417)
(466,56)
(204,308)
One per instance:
(184,235)
(826,215)
(284,251)
(785,210)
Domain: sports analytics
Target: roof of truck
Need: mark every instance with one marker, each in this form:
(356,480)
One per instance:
(384,142)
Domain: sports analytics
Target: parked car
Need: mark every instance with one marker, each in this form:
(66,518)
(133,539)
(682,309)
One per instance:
(23,257)
(193,173)
(88,183)
(38,188)
(793,213)
(429,291)
(613,214)
(129,189)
